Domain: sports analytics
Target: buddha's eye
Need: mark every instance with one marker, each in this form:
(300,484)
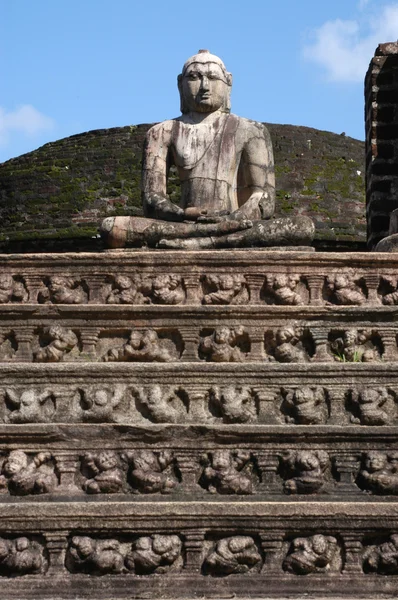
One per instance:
(193,76)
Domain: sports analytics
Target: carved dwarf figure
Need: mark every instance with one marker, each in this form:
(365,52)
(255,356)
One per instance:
(128,290)
(238,554)
(29,406)
(143,346)
(344,290)
(315,554)
(225,164)
(226,289)
(62,341)
(99,405)
(355,345)
(391,298)
(224,472)
(223,345)
(20,556)
(63,290)
(155,554)
(159,404)
(304,471)
(289,348)
(95,557)
(306,406)
(11,290)
(104,473)
(167,289)
(23,477)
(237,404)
(151,473)
(284,289)
(382,558)
(380,473)
(368,402)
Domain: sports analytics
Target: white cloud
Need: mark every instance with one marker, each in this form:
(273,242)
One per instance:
(25,119)
(344,48)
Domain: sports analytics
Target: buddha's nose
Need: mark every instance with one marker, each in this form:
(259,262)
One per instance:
(205,83)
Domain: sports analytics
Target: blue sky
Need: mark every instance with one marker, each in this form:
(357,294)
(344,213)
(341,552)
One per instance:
(68,66)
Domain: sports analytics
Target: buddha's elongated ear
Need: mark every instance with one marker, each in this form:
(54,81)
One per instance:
(183,108)
(229,79)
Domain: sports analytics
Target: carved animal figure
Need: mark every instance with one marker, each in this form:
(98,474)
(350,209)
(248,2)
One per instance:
(380,473)
(313,554)
(62,341)
(289,348)
(162,405)
(155,554)
(63,290)
(150,472)
(238,554)
(222,345)
(105,475)
(284,289)
(226,289)
(29,406)
(237,404)
(382,558)
(306,406)
(345,291)
(223,473)
(20,556)
(95,557)
(369,403)
(167,289)
(11,290)
(304,472)
(22,477)
(99,405)
(143,346)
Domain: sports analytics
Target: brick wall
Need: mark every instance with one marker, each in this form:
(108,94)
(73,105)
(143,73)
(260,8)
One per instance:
(381,116)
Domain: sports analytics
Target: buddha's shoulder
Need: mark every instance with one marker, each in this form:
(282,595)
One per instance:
(162,129)
(249,127)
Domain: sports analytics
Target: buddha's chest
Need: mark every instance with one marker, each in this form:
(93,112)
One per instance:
(202,147)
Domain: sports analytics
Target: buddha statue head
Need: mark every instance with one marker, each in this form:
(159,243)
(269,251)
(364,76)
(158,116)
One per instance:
(204,84)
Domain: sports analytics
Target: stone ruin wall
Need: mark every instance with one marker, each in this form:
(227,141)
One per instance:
(381,114)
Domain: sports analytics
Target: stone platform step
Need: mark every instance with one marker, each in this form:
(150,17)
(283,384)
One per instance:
(70,550)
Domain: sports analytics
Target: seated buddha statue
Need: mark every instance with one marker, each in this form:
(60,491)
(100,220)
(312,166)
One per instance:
(226,168)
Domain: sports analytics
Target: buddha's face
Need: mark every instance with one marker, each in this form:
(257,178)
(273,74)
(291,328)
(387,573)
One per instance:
(204,87)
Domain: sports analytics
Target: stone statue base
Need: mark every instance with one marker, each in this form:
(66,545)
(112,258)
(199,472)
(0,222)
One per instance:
(120,232)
